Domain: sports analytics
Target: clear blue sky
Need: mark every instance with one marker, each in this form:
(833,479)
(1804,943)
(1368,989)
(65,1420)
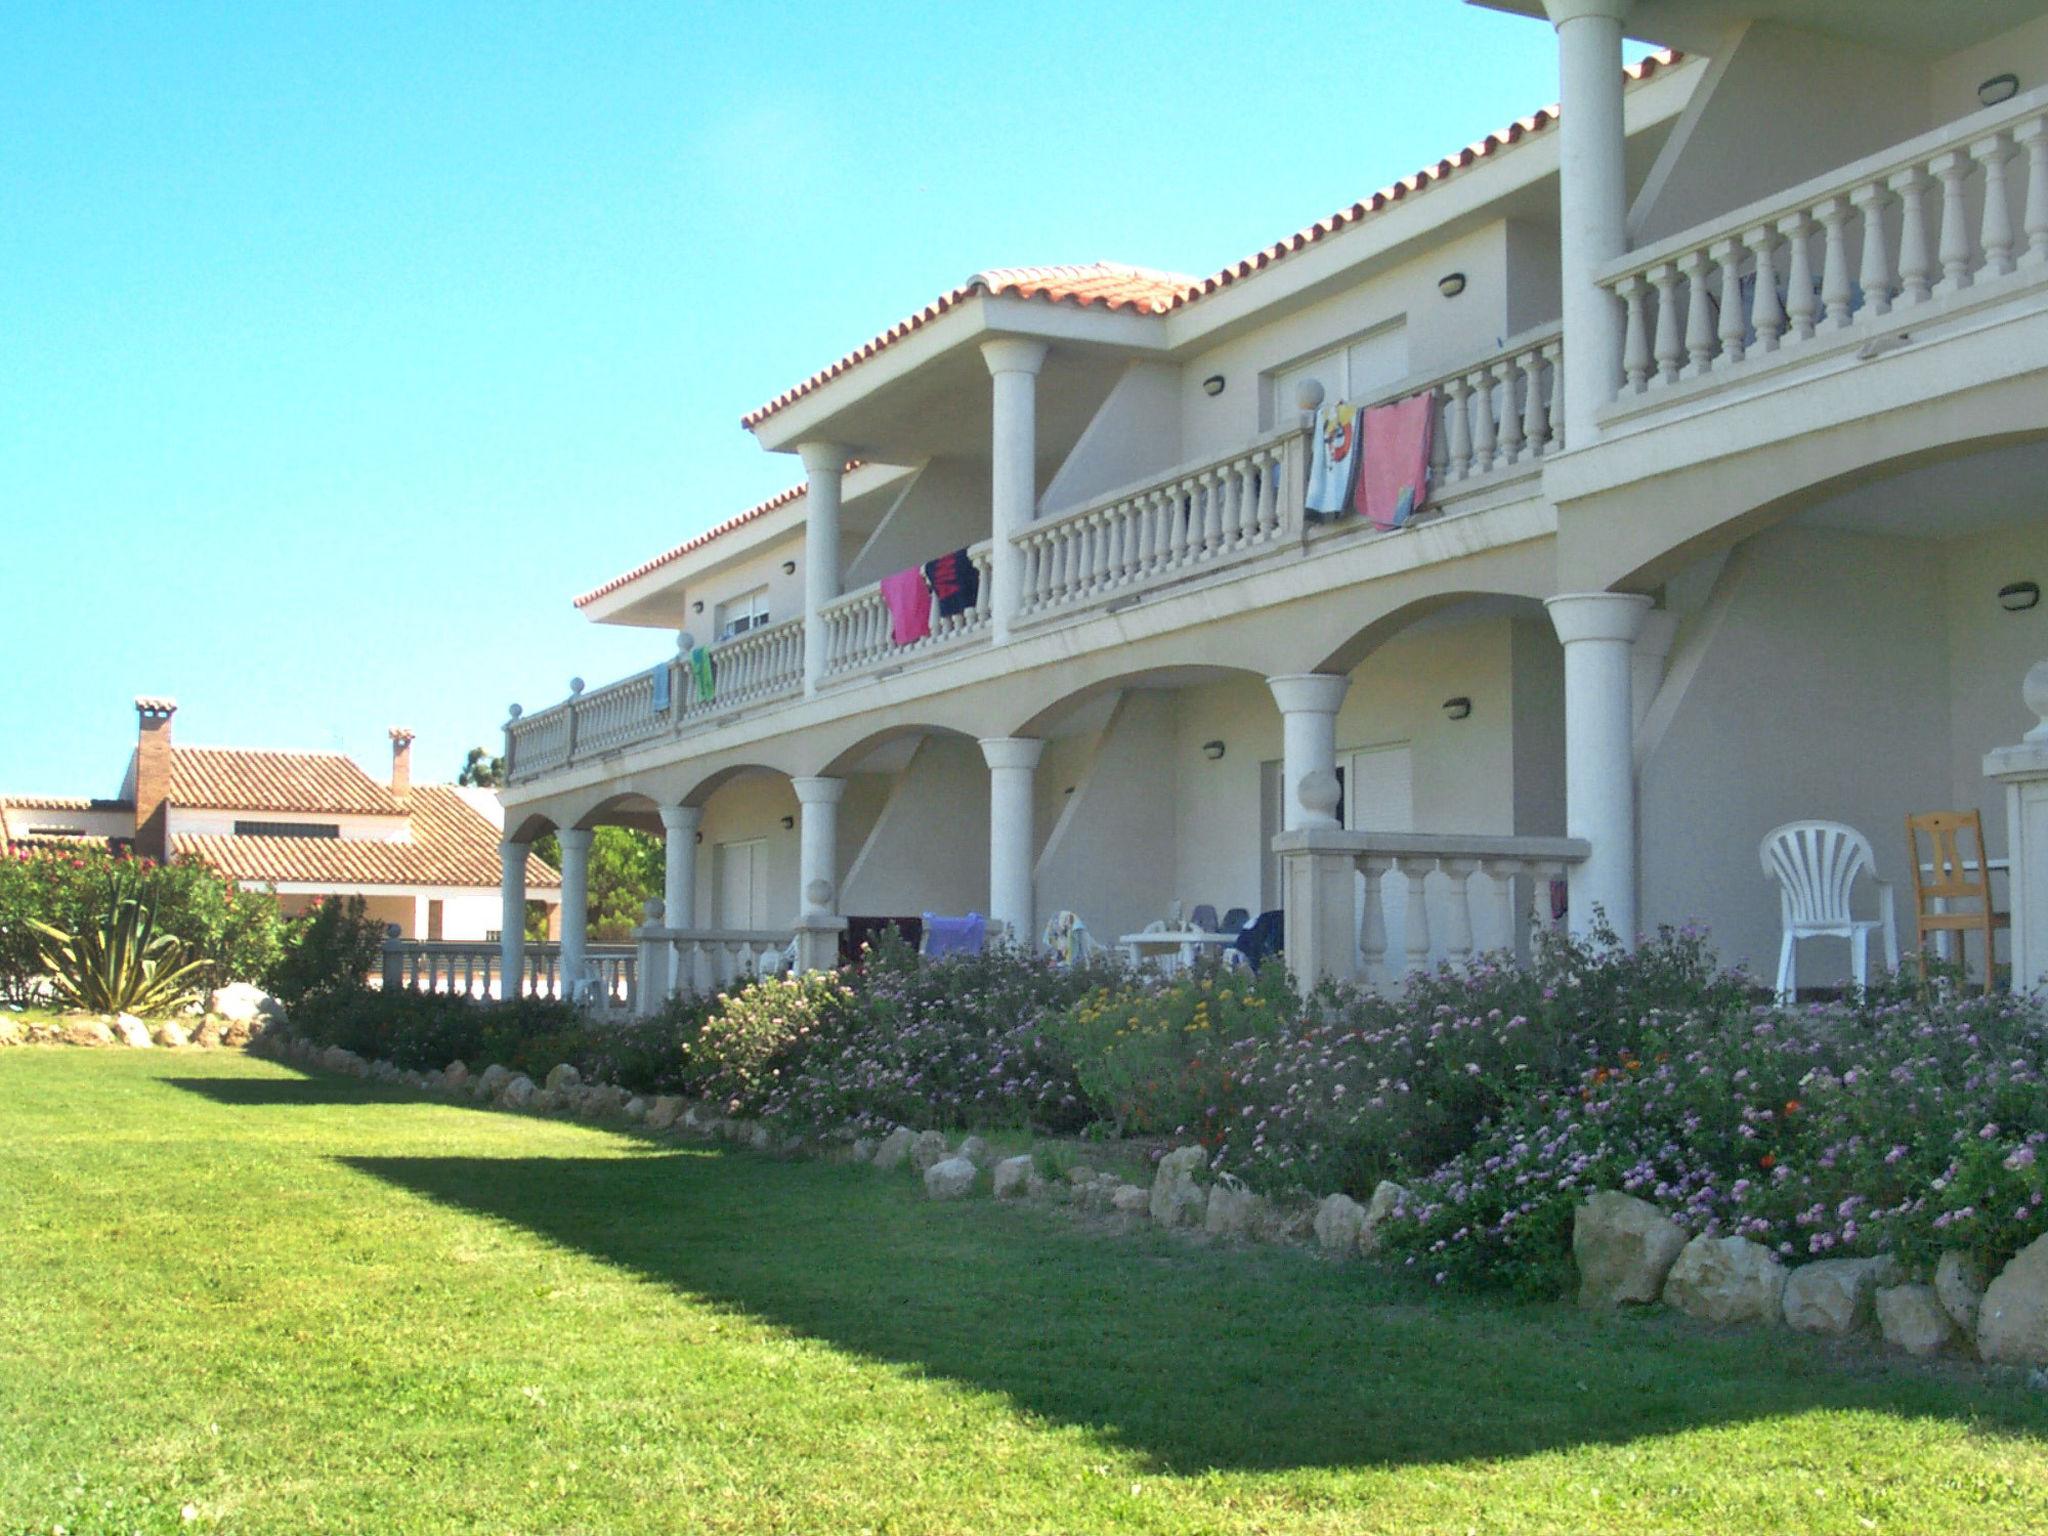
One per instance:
(344,344)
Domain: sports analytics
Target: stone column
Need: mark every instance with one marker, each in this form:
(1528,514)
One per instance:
(1308,702)
(512,917)
(2023,770)
(1013,365)
(1592,201)
(1598,630)
(575,843)
(825,468)
(1012,843)
(679,825)
(818,923)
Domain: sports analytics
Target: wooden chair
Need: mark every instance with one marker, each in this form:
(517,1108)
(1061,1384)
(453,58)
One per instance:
(1953,871)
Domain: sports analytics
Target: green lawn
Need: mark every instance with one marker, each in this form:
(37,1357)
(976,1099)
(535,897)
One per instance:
(318,1305)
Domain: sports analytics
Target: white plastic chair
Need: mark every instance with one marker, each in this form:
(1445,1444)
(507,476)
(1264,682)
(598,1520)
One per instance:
(1816,864)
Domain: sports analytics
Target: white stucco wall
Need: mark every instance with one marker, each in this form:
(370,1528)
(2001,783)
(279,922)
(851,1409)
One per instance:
(1135,436)
(946,507)
(744,808)
(1110,855)
(381,829)
(926,848)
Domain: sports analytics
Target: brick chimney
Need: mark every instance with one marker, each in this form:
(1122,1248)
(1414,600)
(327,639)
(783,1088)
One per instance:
(153,777)
(401,763)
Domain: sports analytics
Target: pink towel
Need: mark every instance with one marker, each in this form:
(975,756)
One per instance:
(1393,482)
(910,605)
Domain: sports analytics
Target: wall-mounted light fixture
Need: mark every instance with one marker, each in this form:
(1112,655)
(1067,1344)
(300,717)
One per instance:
(2019,596)
(1212,750)
(1998,88)
(789,567)
(1458,708)
(697,606)
(1213,385)
(1451,284)
(575,686)
(788,822)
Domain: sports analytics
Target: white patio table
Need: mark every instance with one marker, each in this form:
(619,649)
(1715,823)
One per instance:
(1172,947)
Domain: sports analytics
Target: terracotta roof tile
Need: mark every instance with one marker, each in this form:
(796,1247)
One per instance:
(452,844)
(251,779)
(698,540)
(1161,292)
(62,803)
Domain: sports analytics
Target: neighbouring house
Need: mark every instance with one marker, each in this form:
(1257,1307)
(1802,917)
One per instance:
(308,825)
(1720,392)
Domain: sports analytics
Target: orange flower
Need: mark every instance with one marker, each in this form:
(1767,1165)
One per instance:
(1768,1160)
(1791,1106)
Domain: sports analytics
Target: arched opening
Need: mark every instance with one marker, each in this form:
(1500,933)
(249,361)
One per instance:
(1847,653)
(746,841)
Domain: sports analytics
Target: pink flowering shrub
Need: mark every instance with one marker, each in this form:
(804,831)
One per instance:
(754,1035)
(1359,1087)
(1889,1123)
(956,1042)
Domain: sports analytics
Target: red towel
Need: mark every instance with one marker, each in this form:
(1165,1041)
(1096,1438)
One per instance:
(1393,480)
(910,605)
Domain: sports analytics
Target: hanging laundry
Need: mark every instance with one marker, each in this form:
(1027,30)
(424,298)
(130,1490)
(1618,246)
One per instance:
(705,674)
(1333,460)
(659,677)
(1393,481)
(910,605)
(954,582)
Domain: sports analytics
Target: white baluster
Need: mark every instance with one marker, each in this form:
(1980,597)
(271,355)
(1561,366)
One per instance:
(1553,356)
(1461,429)
(1212,514)
(1502,872)
(2033,135)
(1802,299)
(1509,449)
(1916,266)
(1835,292)
(1952,170)
(1991,154)
(1766,315)
(1635,345)
(1734,324)
(1440,439)
(1372,940)
(1416,935)
(1458,938)
(1670,348)
(1481,380)
(1874,275)
(1699,329)
(1535,418)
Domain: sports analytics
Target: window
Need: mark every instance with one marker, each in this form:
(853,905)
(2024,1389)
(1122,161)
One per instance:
(1355,372)
(286,829)
(747,611)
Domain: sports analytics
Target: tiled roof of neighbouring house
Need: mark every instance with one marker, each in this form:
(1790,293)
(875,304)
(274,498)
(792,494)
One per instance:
(452,844)
(250,779)
(1119,287)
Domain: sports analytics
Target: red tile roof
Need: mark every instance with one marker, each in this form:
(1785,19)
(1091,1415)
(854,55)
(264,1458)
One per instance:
(250,779)
(1160,292)
(62,803)
(698,540)
(452,844)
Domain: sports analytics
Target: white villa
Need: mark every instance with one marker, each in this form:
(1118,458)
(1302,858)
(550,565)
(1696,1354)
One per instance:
(1736,513)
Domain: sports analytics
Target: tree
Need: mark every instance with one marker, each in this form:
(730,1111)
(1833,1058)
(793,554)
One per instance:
(482,770)
(626,869)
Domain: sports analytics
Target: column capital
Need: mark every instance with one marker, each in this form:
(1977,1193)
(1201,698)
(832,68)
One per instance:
(1011,751)
(1013,354)
(1562,11)
(574,839)
(1312,693)
(681,818)
(512,848)
(823,459)
(812,791)
(1580,616)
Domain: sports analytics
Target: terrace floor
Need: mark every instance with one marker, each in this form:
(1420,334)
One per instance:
(294,1303)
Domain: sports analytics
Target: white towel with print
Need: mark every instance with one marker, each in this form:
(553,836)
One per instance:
(1333,460)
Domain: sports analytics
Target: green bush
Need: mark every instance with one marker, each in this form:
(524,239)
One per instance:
(334,944)
(118,960)
(752,1037)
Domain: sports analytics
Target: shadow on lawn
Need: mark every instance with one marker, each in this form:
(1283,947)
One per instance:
(1253,1359)
(295,1092)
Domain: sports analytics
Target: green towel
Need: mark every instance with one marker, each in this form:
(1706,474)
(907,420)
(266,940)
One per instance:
(705,674)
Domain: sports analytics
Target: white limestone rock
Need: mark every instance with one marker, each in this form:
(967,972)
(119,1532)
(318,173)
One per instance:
(1959,1282)
(455,1075)
(1387,1197)
(1013,1177)
(636,1108)
(132,1032)
(172,1036)
(2012,1324)
(661,1114)
(518,1093)
(975,1150)
(1727,1280)
(493,1081)
(338,1059)
(1131,1200)
(241,1002)
(1624,1249)
(1912,1318)
(863,1149)
(1233,1210)
(1176,1199)
(562,1076)
(1339,1221)
(1833,1296)
(950,1178)
(928,1151)
(895,1147)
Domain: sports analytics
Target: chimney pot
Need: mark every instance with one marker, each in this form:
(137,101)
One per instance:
(153,776)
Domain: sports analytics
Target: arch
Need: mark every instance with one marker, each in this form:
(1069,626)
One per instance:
(848,759)
(1375,632)
(530,827)
(1053,699)
(621,808)
(709,783)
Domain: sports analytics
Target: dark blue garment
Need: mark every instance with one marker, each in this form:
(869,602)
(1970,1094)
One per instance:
(1266,937)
